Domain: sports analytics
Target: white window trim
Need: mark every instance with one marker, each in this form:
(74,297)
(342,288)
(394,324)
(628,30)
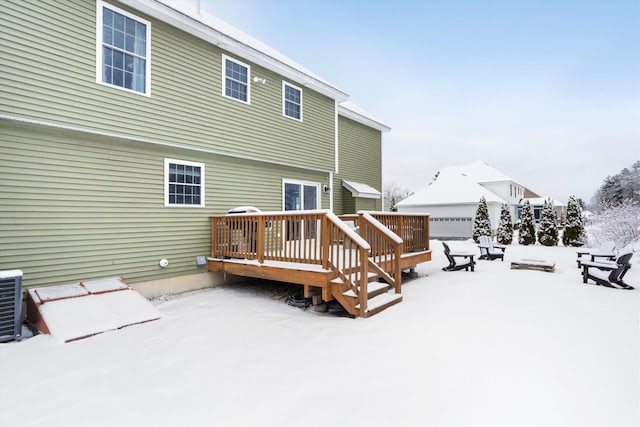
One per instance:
(226,58)
(284,85)
(303,183)
(147,87)
(166,183)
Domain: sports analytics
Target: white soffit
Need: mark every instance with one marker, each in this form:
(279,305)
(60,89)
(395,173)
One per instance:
(351,111)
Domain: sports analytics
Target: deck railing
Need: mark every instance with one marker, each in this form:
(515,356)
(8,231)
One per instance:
(351,246)
(306,237)
(413,229)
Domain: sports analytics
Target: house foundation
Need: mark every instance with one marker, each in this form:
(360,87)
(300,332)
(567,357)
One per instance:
(176,285)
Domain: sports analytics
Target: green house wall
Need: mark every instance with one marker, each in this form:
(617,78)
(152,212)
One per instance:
(76,206)
(82,164)
(360,160)
(51,77)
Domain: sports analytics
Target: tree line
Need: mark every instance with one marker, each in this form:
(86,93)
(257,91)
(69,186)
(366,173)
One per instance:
(616,189)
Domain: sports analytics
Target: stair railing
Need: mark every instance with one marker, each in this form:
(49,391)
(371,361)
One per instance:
(386,249)
(347,256)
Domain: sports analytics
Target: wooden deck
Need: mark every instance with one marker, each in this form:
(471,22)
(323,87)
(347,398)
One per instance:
(316,249)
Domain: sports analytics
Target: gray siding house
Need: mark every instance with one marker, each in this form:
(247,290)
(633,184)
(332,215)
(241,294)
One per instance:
(124,125)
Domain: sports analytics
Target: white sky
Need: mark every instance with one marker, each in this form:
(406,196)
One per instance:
(548,92)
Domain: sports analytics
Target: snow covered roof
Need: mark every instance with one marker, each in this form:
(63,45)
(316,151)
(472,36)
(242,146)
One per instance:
(351,111)
(539,201)
(359,189)
(481,172)
(451,187)
(189,17)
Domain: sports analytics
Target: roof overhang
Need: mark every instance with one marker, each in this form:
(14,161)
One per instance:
(359,189)
(362,118)
(196,26)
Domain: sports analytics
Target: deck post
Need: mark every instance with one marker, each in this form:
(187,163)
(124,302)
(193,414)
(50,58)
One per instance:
(214,225)
(325,239)
(260,242)
(398,270)
(426,232)
(364,281)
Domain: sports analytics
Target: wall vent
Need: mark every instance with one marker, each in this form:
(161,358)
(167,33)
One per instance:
(10,305)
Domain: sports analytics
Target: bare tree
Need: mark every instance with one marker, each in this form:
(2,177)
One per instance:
(392,194)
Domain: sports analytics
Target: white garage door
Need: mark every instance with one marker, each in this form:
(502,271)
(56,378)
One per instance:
(451,228)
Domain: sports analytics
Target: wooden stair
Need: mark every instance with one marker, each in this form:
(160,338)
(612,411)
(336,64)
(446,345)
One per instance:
(379,296)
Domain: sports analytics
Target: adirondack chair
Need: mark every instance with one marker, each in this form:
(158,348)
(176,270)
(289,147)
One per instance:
(490,250)
(608,273)
(604,253)
(466,258)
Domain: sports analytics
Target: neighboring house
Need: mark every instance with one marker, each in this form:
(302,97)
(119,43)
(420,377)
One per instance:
(537,203)
(124,125)
(452,198)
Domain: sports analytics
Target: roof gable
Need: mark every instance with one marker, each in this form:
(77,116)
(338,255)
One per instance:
(481,172)
(449,188)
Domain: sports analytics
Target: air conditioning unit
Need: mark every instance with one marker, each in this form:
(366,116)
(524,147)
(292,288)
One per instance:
(10,305)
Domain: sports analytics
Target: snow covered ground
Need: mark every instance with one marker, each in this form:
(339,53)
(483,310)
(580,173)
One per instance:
(496,347)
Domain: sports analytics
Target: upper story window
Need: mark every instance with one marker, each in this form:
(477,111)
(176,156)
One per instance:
(123,49)
(183,183)
(236,79)
(291,101)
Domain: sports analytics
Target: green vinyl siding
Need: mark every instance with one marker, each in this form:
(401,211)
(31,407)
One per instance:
(52,78)
(360,160)
(78,206)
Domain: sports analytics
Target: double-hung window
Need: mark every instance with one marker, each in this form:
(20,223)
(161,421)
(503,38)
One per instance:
(123,49)
(183,183)
(291,101)
(235,83)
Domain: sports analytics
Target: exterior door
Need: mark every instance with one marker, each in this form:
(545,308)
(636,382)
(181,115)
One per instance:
(299,196)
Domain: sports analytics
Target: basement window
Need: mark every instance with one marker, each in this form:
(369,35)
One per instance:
(183,183)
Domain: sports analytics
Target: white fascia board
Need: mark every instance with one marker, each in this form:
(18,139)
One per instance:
(350,114)
(201,30)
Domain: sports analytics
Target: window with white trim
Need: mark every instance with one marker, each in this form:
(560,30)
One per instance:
(291,101)
(300,195)
(183,183)
(123,49)
(235,83)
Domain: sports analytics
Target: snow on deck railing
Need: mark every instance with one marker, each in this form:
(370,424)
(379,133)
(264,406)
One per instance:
(244,235)
(278,213)
(351,233)
(382,228)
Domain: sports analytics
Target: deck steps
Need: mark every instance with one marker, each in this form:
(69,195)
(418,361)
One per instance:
(374,288)
(379,295)
(353,277)
(380,302)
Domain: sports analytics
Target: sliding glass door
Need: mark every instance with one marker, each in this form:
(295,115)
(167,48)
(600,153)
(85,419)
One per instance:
(297,196)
